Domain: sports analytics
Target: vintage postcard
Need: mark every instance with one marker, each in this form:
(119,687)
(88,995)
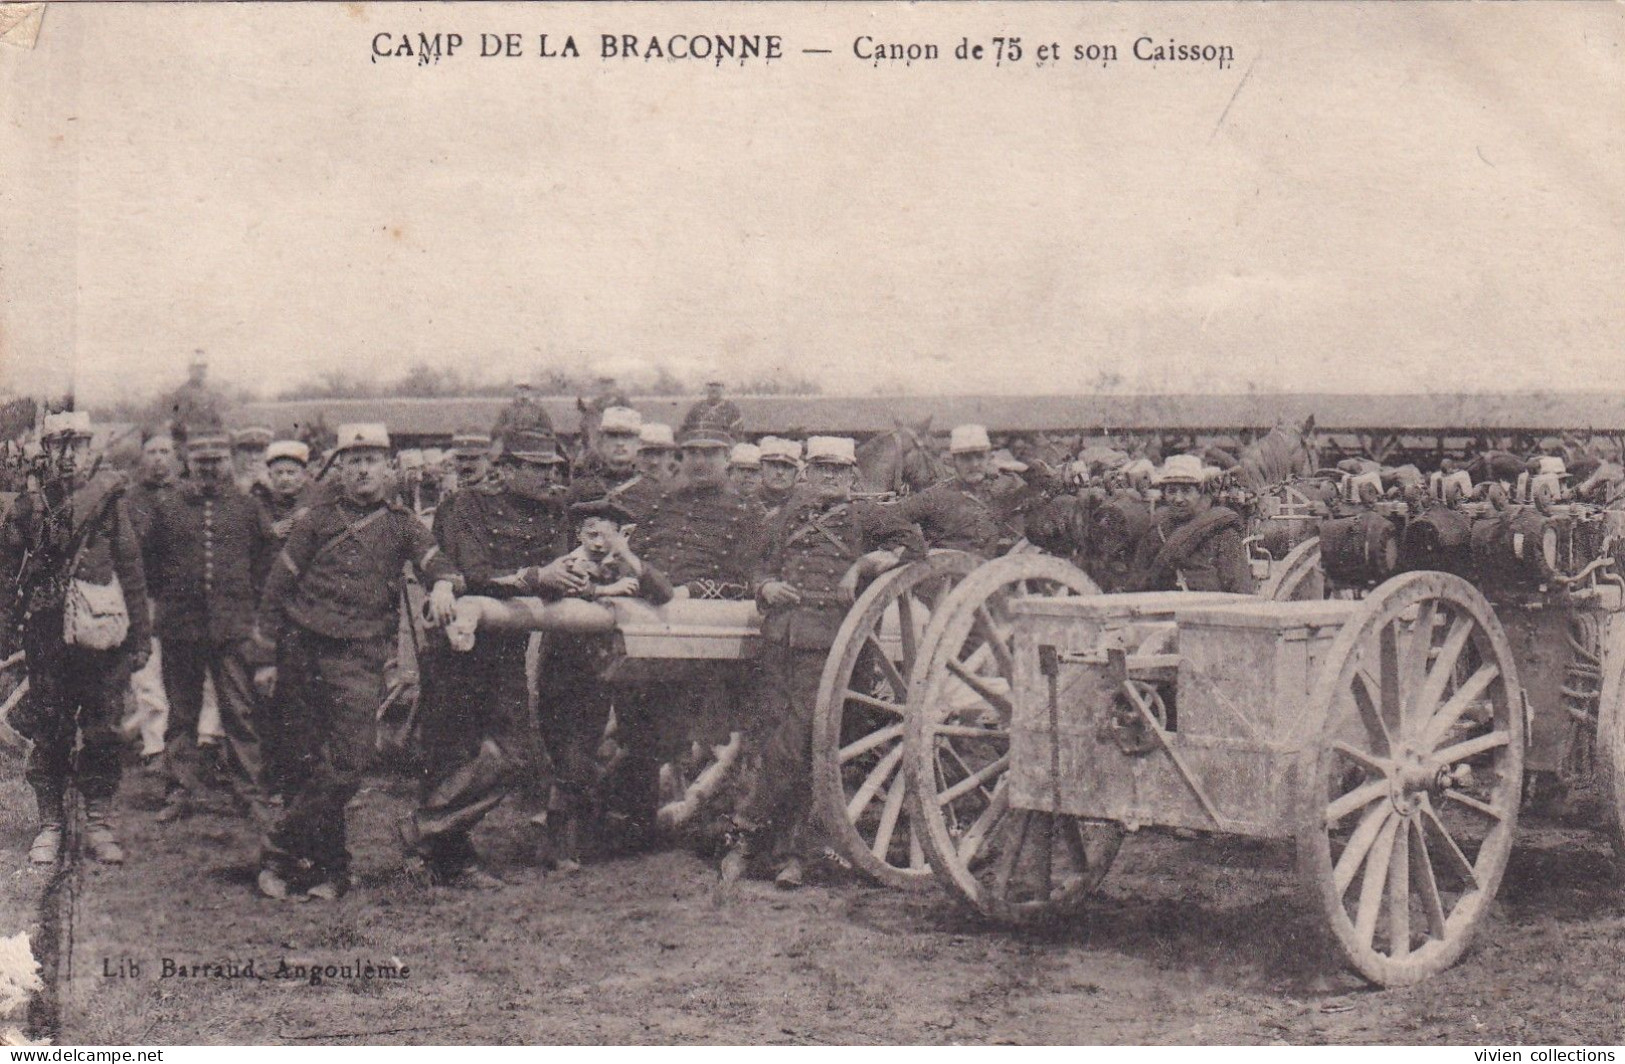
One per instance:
(805,523)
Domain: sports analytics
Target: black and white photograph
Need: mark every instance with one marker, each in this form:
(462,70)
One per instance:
(812,524)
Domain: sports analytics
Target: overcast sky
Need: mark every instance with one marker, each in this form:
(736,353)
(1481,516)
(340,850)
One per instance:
(1397,198)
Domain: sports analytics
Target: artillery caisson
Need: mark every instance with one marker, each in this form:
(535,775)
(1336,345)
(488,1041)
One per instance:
(1381,730)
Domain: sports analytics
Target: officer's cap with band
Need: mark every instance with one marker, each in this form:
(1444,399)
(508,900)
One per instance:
(706,436)
(362,436)
(620,421)
(208,445)
(534,448)
(253,438)
(832,450)
(470,443)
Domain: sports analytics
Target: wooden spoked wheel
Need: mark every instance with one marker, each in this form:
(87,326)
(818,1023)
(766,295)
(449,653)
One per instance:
(858,728)
(1012,864)
(1410,791)
(1610,745)
(1298,576)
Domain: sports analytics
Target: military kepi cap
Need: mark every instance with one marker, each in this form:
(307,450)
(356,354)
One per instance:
(620,421)
(832,450)
(1183,469)
(745,456)
(656,437)
(470,442)
(775,449)
(968,439)
(538,448)
(706,436)
(362,435)
(69,423)
(255,437)
(208,445)
(290,450)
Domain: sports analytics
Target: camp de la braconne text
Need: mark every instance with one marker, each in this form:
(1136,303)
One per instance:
(425,48)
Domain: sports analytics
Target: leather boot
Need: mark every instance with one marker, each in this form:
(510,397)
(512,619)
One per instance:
(564,841)
(99,834)
(47,846)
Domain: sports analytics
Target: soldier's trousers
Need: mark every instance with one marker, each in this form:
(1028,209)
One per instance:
(328,693)
(478,743)
(573,710)
(659,722)
(779,797)
(73,694)
(187,663)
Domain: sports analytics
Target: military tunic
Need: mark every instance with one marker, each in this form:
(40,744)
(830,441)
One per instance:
(983,519)
(810,547)
(330,604)
(207,552)
(1213,559)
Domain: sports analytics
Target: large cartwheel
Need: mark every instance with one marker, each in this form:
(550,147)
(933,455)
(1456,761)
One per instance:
(1297,576)
(858,727)
(1610,738)
(1409,794)
(1012,864)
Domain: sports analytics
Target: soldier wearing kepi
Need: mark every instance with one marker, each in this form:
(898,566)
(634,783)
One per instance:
(745,469)
(820,548)
(287,476)
(781,467)
(207,552)
(471,454)
(701,534)
(716,412)
(248,456)
(1194,545)
(657,453)
(331,610)
(80,604)
(611,467)
(975,511)
(477,739)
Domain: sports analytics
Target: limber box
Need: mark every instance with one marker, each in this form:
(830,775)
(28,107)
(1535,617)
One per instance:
(1236,695)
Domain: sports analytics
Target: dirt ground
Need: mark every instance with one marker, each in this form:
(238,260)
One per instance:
(1192,942)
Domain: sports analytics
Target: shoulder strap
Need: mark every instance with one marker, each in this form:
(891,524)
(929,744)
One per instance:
(350,529)
(1191,535)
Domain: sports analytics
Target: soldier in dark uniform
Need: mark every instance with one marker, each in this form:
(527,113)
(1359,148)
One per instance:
(610,469)
(781,467)
(715,412)
(478,744)
(207,553)
(74,527)
(331,611)
(976,511)
(1193,544)
(820,548)
(523,414)
(471,453)
(248,456)
(658,460)
(148,708)
(701,534)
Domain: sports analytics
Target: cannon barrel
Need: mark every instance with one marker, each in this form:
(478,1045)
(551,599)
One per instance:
(686,629)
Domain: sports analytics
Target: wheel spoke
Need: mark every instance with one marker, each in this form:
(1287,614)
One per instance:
(876,738)
(1376,764)
(997,699)
(1392,706)
(1454,858)
(994,639)
(1358,798)
(898,685)
(877,703)
(1015,840)
(916,852)
(1413,660)
(1444,667)
(888,818)
(1366,695)
(1359,847)
(1376,879)
(871,785)
(1470,802)
(1471,747)
(991,770)
(1460,700)
(1426,885)
(970,843)
(1399,892)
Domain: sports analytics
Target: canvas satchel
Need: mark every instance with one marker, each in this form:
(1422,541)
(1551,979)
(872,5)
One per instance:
(94,616)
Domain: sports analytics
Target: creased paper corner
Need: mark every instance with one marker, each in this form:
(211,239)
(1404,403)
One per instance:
(19,23)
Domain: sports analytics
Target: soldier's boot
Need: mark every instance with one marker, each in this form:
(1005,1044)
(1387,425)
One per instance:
(99,834)
(46,848)
(564,841)
(791,876)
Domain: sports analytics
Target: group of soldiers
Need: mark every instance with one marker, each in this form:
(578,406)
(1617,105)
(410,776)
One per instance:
(280,592)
